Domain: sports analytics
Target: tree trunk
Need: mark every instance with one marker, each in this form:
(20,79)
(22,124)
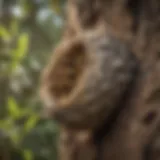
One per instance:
(133,131)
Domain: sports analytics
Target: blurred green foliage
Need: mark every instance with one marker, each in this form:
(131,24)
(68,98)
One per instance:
(29,30)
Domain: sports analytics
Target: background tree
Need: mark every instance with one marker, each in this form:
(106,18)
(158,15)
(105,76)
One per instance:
(29,30)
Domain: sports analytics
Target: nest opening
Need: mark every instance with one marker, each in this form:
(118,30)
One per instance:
(67,72)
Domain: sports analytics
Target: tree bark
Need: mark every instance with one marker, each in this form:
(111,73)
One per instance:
(132,133)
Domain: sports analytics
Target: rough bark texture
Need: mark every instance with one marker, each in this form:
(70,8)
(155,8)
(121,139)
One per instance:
(132,131)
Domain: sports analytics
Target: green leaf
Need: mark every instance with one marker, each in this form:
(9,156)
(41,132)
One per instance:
(22,46)
(19,53)
(28,155)
(16,135)
(4,34)
(31,123)
(13,108)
